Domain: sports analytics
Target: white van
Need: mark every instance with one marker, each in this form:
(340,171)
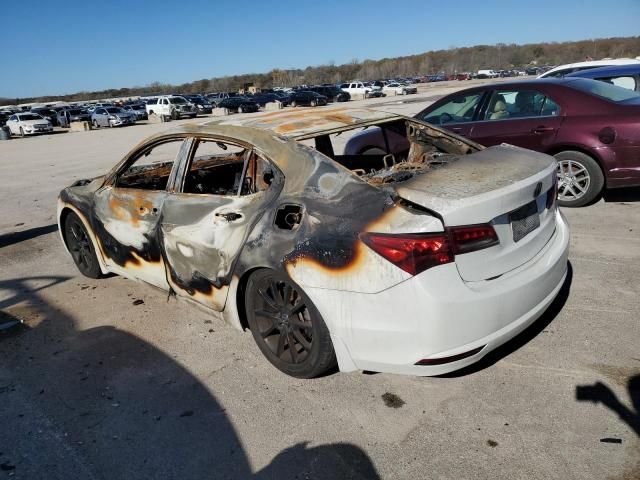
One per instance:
(487,74)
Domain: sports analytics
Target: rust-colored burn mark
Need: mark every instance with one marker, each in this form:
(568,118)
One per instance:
(336,260)
(131,206)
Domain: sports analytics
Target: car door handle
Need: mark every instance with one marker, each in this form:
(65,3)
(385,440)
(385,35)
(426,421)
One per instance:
(542,129)
(459,131)
(230,216)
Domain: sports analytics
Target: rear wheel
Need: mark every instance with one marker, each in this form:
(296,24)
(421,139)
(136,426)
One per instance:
(95,124)
(580,179)
(175,115)
(294,104)
(240,109)
(286,325)
(81,247)
(313,103)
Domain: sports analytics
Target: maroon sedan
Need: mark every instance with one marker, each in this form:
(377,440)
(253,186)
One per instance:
(591,127)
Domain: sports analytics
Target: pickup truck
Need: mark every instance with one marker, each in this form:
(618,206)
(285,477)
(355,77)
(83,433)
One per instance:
(172,106)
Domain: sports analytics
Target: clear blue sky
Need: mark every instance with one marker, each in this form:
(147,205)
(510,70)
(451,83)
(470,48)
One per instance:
(52,47)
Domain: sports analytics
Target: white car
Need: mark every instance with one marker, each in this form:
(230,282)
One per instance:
(28,124)
(399,89)
(420,261)
(355,88)
(563,70)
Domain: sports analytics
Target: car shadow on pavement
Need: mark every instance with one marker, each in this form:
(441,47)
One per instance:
(24,235)
(628,194)
(103,403)
(525,336)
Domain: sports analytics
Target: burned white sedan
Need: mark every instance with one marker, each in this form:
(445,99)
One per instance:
(420,262)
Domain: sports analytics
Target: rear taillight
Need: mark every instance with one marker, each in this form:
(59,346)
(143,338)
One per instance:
(417,252)
(413,253)
(472,238)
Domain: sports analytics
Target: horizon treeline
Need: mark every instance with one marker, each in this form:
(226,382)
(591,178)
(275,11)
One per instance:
(449,61)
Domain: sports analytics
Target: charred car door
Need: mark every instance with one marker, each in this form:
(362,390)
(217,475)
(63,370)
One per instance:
(222,190)
(127,211)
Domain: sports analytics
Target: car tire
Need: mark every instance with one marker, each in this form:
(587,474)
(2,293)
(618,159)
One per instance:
(580,179)
(313,103)
(404,92)
(175,115)
(294,104)
(81,247)
(96,125)
(240,109)
(372,151)
(21,132)
(286,326)
(110,122)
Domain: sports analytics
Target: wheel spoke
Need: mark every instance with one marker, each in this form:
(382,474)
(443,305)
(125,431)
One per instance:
(75,234)
(270,315)
(265,296)
(281,341)
(292,348)
(297,322)
(300,338)
(269,331)
(297,308)
(573,192)
(286,297)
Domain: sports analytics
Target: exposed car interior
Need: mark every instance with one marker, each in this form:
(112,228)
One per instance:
(217,168)
(408,148)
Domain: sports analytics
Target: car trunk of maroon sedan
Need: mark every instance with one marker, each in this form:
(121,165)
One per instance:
(511,188)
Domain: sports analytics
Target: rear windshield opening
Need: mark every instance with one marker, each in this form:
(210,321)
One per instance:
(391,151)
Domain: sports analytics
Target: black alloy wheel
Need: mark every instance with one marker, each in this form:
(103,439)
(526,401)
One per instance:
(81,247)
(286,325)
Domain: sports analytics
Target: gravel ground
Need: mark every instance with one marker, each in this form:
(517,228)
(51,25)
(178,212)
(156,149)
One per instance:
(98,385)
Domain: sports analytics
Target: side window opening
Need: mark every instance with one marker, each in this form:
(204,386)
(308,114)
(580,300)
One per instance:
(458,110)
(520,104)
(223,168)
(152,167)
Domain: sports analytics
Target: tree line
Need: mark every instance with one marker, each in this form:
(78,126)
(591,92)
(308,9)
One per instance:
(449,61)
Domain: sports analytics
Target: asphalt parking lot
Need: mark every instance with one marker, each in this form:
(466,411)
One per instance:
(111,379)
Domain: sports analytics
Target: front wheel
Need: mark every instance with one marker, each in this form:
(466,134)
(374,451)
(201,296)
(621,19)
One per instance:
(81,247)
(21,132)
(580,179)
(294,104)
(286,326)
(240,110)
(175,115)
(95,124)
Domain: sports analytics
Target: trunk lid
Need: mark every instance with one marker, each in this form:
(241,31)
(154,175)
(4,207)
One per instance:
(505,186)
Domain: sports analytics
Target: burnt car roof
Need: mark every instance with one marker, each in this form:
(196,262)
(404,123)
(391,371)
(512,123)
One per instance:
(308,122)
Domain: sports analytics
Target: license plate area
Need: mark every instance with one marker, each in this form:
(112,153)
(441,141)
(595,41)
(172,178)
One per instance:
(524,220)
